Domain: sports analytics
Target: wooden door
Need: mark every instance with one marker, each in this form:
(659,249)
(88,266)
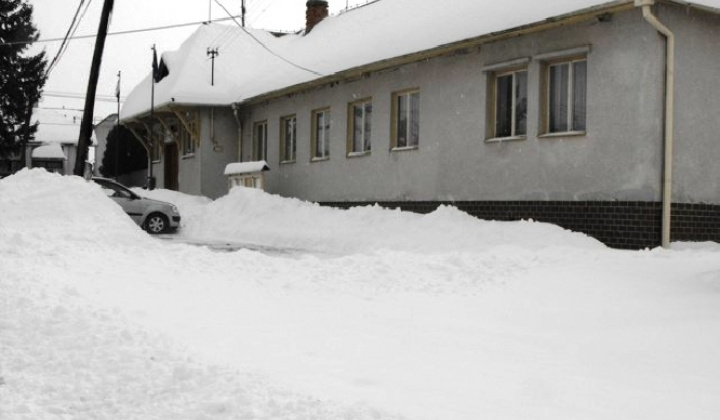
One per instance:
(171,166)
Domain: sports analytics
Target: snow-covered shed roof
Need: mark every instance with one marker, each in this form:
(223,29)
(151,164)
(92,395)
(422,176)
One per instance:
(52,151)
(253,63)
(242,168)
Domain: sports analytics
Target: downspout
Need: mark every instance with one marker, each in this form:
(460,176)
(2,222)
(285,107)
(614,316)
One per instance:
(235,109)
(669,116)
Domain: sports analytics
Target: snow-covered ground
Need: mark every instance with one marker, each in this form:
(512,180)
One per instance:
(376,314)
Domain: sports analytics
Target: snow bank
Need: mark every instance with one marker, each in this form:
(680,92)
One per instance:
(98,320)
(252,216)
(40,207)
(189,206)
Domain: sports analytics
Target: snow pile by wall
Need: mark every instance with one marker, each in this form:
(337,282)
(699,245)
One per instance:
(253,216)
(38,207)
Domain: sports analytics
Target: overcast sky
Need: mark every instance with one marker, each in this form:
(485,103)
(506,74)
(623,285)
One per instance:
(131,54)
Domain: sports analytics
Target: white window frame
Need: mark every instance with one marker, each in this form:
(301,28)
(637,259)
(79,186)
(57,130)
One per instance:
(410,143)
(288,144)
(320,136)
(493,119)
(547,110)
(259,150)
(366,121)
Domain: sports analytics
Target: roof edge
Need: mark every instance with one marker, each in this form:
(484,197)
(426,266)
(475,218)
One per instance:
(360,71)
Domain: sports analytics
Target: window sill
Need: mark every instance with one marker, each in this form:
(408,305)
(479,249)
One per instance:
(188,156)
(504,139)
(563,134)
(320,159)
(286,162)
(403,149)
(358,154)
(157,161)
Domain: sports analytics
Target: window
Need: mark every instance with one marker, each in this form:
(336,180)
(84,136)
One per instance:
(359,127)
(188,145)
(320,143)
(288,144)
(566,96)
(509,110)
(406,119)
(259,149)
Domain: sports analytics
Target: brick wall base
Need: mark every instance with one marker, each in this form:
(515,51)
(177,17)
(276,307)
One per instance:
(625,225)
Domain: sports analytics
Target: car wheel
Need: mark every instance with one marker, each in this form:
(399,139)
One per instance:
(156,223)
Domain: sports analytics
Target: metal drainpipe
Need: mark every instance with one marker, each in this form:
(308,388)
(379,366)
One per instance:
(237,119)
(669,116)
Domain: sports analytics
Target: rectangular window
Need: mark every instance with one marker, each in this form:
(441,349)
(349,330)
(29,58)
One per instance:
(288,143)
(406,119)
(566,104)
(320,142)
(510,107)
(259,149)
(360,127)
(188,144)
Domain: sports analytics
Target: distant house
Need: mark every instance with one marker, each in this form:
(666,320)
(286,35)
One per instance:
(600,117)
(51,157)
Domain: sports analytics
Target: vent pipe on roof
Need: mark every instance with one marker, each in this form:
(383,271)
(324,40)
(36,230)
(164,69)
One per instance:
(317,10)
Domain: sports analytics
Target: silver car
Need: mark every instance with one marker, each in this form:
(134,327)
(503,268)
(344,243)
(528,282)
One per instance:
(152,215)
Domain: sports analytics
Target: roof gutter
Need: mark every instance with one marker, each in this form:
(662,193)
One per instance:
(669,116)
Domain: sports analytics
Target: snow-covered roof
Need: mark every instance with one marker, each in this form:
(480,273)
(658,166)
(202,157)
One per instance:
(241,168)
(49,151)
(252,62)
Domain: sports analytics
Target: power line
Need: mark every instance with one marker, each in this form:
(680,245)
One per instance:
(265,46)
(72,95)
(65,39)
(131,31)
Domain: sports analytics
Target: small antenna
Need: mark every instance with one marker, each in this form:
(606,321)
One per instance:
(212,53)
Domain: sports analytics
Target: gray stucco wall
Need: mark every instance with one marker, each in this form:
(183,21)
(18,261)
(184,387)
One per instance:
(619,157)
(697,93)
(201,173)
(218,147)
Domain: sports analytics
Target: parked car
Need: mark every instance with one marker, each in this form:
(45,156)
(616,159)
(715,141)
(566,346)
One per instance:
(152,215)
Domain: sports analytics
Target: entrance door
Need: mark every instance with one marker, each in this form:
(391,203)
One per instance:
(171,166)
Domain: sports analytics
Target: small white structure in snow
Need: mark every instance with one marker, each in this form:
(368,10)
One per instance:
(50,156)
(246,174)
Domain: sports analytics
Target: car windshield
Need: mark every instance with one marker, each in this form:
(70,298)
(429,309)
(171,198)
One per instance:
(114,190)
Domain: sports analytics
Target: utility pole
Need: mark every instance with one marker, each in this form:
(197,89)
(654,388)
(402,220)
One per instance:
(86,125)
(242,13)
(212,53)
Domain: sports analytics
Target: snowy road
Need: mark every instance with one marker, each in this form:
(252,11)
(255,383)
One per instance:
(389,315)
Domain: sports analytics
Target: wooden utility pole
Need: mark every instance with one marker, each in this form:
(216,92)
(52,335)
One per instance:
(242,13)
(86,125)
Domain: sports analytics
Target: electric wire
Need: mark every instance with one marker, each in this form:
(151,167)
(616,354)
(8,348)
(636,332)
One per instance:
(265,46)
(131,31)
(63,50)
(65,39)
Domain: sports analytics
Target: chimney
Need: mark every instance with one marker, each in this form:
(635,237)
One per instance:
(317,10)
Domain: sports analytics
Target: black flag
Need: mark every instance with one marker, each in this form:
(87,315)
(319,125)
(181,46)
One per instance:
(155,69)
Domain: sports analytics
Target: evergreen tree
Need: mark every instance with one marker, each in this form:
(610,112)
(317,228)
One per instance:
(131,156)
(22,76)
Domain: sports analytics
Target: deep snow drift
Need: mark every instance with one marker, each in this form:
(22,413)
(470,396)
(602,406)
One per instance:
(378,314)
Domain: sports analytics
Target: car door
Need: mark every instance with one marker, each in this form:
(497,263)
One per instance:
(130,205)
